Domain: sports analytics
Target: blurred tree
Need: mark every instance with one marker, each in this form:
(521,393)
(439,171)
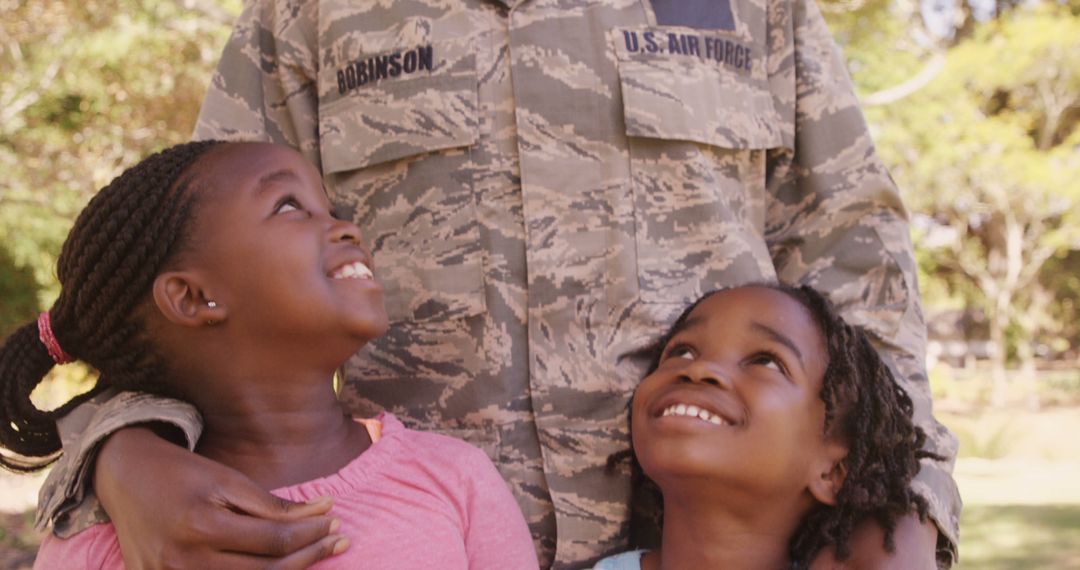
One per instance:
(88,87)
(988,151)
(1062,279)
(18,294)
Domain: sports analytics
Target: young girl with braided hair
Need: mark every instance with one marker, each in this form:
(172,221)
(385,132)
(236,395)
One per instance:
(766,430)
(215,273)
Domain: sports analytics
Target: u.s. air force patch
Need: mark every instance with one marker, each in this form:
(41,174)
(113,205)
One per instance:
(696,85)
(720,50)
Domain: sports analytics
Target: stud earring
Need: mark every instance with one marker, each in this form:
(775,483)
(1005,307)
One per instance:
(211,305)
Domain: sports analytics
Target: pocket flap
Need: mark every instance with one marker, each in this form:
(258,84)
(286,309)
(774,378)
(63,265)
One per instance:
(695,85)
(378,107)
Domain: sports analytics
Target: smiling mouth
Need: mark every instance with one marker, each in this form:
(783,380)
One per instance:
(354,270)
(692,411)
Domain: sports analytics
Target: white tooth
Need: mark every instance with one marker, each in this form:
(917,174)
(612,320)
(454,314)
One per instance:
(363,271)
(705,415)
(692,410)
(716,420)
(667,412)
(680,409)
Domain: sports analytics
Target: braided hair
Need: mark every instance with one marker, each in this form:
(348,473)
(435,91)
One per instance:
(864,407)
(119,243)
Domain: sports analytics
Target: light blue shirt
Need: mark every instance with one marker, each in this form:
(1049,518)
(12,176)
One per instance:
(625,561)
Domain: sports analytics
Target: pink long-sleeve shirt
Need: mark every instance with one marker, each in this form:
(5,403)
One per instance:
(413,500)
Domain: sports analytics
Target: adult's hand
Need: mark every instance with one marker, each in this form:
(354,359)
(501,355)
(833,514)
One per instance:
(175,509)
(916,544)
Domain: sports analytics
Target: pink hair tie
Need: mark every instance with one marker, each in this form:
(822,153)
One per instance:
(45,334)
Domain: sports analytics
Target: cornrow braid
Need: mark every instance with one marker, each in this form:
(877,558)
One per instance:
(864,406)
(119,243)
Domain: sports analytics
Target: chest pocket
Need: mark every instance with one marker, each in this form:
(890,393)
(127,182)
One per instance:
(396,125)
(699,118)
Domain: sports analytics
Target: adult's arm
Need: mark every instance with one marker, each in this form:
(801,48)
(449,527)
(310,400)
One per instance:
(835,221)
(216,515)
(174,509)
(100,547)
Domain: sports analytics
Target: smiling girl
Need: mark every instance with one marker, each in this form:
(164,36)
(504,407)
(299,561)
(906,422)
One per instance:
(215,273)
(771,428)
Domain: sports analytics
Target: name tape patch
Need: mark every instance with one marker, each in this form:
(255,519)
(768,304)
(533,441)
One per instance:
(387,66)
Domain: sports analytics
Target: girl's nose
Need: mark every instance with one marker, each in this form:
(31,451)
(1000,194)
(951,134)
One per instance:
(343,230)
(705,372)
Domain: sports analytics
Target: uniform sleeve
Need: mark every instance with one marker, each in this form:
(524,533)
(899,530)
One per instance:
(66,499)
(495,535)
(835,221)
(265,88)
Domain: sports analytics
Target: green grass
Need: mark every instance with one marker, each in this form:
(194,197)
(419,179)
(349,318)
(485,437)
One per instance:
(973,388)
(1015,432)
(1019,475)
(1020,537)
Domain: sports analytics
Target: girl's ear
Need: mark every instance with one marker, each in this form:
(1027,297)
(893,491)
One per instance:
(829,473)
(181,298)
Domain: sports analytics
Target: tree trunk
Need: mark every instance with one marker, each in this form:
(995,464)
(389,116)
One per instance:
(999,320)
(1028,376)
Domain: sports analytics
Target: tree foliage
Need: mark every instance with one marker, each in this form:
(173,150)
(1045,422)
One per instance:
(18,299)
(87,87)
(988,154)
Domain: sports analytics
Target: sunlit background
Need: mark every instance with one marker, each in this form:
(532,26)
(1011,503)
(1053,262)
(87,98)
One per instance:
(975,107)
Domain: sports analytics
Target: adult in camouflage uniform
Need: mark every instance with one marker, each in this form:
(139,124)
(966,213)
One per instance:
(545,184)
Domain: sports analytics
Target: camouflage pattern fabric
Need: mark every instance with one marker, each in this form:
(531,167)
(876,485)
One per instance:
(65,500)
(546,184)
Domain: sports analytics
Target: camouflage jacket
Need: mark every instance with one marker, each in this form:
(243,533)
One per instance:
(545,185)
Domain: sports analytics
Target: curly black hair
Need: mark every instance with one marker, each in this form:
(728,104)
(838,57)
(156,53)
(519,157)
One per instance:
(864,406)
(119,243)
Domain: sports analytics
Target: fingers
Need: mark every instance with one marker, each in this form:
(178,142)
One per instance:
(215,510)
(303,558)
(249,535)
(245,496)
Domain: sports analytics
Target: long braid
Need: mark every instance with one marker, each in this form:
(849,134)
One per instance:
(119,243)
(23,363)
